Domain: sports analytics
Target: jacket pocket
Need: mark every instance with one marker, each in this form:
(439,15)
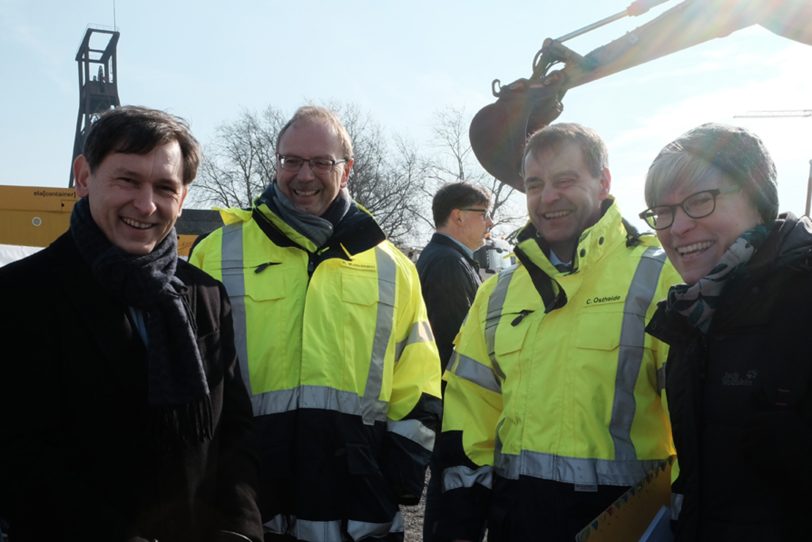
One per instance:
(260,280)
(369,492)
(599,330)
(509,345)
(363,289)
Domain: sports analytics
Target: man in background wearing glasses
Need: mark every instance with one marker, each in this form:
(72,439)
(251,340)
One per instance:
(334,342)
(449,277)
(553,404)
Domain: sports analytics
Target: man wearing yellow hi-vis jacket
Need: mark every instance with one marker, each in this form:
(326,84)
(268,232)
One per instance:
(334,343)
(554,403)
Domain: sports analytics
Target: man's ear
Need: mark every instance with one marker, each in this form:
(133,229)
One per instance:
(606,183)
(183,194)
(345,176)
(81,175)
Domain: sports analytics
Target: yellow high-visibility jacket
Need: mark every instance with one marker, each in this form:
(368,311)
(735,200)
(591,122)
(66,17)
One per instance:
(337,352)
(553,376)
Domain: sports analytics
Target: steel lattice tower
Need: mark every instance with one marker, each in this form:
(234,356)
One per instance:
(98,83)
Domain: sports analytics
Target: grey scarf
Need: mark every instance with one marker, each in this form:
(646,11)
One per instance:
(318,229)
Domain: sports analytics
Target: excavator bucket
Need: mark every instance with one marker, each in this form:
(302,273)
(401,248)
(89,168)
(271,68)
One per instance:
(499,130)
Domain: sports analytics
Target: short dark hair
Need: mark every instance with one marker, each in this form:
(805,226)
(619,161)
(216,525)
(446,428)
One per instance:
(457,196)
(596,157)
(134,129)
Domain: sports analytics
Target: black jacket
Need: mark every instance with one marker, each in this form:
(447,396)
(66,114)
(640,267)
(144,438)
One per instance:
(740,398)
(77,461)
(449,280)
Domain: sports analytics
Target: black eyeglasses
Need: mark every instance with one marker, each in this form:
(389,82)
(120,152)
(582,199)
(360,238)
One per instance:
(485,213)
(289,162)
(697,205)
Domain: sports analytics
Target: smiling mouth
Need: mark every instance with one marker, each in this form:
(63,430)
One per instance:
(694,248)
(555,214)
(136,224)
(304,193)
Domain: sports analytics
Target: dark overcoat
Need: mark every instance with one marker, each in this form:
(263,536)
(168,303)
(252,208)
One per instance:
(78,458)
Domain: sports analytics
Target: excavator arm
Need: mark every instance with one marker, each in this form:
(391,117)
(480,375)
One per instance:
(499,130)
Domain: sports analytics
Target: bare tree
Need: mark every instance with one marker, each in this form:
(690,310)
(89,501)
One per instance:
(386,178)
(238,165)
(454,160)
(241,161)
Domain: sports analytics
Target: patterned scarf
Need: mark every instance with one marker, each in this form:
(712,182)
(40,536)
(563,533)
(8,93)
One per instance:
(177,387)
(698,301)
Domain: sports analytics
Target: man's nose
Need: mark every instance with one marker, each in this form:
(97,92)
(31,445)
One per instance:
(305,172)
(144,201)
(549,193)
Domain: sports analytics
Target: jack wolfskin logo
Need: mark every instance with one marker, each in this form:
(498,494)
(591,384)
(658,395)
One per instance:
(606,299)
(735,379)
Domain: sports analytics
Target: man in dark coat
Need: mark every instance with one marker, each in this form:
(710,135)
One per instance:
(122,411)
(449,278)
(448,273)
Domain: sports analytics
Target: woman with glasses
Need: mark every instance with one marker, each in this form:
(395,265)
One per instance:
(739,329)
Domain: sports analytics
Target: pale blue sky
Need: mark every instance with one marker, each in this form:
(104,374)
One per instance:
(400,62)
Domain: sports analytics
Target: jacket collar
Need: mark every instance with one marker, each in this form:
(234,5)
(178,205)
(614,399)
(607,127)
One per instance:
(357,232)
(593,244)
(789,242)
(445,240)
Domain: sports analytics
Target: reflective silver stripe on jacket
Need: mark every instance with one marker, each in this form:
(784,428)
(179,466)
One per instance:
(369,407)
(573,470)
(387,274)
(463,476)
(470,369)
(413,430)
(420,333)
(231,255)
(630,353)
(496,303)
(315,397)
(330,531)
(676,505)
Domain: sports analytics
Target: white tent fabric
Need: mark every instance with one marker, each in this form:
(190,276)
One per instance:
(10,253)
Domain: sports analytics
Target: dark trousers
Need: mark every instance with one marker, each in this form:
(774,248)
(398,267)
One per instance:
(533,509)
(271,537)
(433,494)
(433,510)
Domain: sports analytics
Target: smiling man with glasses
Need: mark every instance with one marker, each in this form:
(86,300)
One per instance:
(334,342)
(449,278)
